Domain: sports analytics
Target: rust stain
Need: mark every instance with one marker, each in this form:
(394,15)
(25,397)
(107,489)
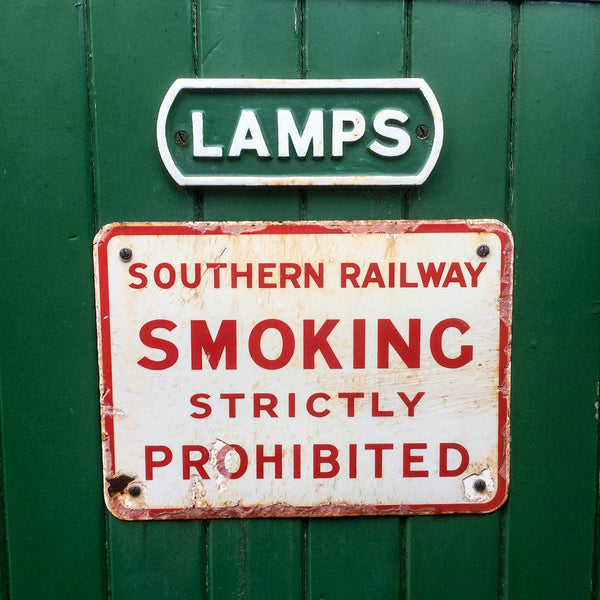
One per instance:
(117,484)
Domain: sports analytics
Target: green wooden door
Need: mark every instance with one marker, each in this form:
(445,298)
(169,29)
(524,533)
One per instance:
(80,87)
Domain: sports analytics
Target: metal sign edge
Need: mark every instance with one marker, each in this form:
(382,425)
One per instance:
(335,227)
(252,83)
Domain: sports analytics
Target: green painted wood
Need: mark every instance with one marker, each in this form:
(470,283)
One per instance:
(258,558)
(544,543)
(369,42)
(136,55)
(359,557)
(555,219)
(157,560)
(252,559)
(4,572)
(50,429)
(462,554)
(238,39)
(463,50)
(355,558)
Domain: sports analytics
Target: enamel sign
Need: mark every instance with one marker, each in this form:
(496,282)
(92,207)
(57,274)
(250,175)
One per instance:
(316,369)
(299,131)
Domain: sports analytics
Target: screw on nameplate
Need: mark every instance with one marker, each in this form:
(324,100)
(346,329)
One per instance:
(422,132)
(181,137)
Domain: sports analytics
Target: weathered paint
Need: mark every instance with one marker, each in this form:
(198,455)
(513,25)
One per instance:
(350,433)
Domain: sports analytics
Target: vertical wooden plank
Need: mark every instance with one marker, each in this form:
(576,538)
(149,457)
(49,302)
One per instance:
(50,428)
(359,557)
(4,573)
(157,560)
(354,39)
(137,52)
(238,39)
(555,220)
(256,558)
(355,558)
(259,559)
(463,50)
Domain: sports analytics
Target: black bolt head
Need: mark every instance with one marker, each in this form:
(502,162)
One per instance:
(125,254)
(483,250)
(480,485)
(134,490)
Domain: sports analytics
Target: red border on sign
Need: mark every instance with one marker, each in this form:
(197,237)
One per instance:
(302,228)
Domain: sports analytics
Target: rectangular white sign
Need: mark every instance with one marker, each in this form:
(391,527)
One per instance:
(284,369)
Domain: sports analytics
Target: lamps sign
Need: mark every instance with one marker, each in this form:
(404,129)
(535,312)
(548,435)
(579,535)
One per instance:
(299,131)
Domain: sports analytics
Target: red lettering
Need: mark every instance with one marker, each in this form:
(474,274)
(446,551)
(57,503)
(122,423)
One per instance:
(403,282)
(431,273)
(325,454)
(170,275)
(454,275)
(358,343)
(225,341)
(261,459)
(231,398)
(474,273)
(310,405)
(196,401)
(349,272)
(134,271)
(408,459)
(375,407)
(235,275)
(197,275)
(216,268)
(373,275)
(445,471)
(197,464)
(317,342)
(264,273)
(287,344)
(410,403)
(378,451)
(268,407)
(391,275)
(388,335)
(292,275)
(311,275)
(169,348)
(296,459)
(350,396)
(352,461)
(152,462)
(222,455)
(466,352)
